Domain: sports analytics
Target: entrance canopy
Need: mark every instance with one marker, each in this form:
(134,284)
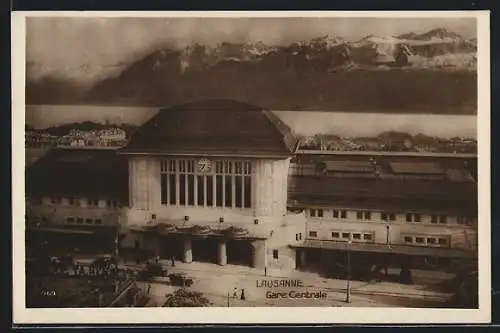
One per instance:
(384,248)
(204,229)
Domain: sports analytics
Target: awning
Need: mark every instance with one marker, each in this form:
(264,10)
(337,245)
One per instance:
(384,248)
(64,231)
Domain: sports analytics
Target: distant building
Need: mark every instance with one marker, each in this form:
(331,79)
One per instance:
(76,194)
(112,135)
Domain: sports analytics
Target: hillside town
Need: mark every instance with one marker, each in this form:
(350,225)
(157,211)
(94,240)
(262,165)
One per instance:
(387,141)
(106,137)
(390,142)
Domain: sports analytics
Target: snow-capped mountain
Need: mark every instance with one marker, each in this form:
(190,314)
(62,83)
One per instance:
(253,70)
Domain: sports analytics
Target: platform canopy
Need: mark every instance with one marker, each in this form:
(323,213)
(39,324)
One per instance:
(214,127)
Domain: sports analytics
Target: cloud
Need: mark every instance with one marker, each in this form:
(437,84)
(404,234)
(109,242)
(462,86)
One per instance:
(66,41)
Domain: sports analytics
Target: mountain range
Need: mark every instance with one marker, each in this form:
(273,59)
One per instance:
(433,71)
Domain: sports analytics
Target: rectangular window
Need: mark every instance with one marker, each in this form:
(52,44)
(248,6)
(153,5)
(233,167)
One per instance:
(210,190)
(275,254)
(248,190)
(383,216)
(201,190)
(409,218)
(356,236)
(419,240)
(192,183)
(431,240)
(343,214)
(95,203)
(70,220)
(320,212)
(164,188)
(346,235)
(442,219)
(313,234)
(98,221)
(88,221)
(79,220)
(218,191)
(53,201)
(335,235)
(417,217)
(335,214)
(367,237)
(190,190)
(392,216)
(359,215)
(312,212)
(443,241)
(368,215)
(229,191)
(408,239)
(72,201)
(238,188)
(434,219)
(182,190)
(172,189)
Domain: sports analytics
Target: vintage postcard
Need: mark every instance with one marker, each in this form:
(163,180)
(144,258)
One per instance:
(234,167)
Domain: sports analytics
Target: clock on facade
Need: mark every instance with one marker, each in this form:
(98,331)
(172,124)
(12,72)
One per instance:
(204,165)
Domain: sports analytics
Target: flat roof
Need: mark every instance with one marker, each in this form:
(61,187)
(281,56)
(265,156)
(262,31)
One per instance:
(384,248)
(92,173)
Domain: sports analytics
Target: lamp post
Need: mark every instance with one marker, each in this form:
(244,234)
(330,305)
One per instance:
(387,240)
(348,289)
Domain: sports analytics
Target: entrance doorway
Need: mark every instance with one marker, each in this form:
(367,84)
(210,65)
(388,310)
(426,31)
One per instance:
(171,246)
(205,250)
(239,252)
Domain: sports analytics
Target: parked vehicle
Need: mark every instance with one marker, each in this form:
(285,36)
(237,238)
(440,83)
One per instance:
(150,271)
(180,279)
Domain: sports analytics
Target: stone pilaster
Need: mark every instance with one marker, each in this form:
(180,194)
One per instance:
(222,253)
(259,254)
(188,251)
(302,258)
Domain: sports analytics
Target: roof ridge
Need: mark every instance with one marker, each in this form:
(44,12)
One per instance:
(289,139)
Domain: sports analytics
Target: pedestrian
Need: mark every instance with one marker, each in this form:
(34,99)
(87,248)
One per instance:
(173,261)
(242,295)
(149,288)
(265,271)
(235,292)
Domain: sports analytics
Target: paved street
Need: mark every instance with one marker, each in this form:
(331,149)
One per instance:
(215,282)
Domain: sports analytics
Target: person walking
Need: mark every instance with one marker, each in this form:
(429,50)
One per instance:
(173,261)
(242,295)
(149,288)
(235,292)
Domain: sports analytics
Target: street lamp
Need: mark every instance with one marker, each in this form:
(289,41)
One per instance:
(348,289)
(387,240)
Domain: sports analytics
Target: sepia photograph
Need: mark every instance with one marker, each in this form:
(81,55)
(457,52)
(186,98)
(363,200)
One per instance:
(252,161)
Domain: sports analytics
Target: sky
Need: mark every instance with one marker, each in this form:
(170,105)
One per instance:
(70,42)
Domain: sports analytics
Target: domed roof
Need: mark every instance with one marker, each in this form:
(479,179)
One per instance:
(212,127)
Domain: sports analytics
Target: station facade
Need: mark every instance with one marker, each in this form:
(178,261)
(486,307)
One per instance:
(221,181)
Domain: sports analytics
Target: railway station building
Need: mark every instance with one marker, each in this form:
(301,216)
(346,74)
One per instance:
(222,181)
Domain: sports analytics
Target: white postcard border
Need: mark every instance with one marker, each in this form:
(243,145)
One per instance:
(276,315)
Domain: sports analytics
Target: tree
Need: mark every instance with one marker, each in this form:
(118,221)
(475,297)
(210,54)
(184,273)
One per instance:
(184,298)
